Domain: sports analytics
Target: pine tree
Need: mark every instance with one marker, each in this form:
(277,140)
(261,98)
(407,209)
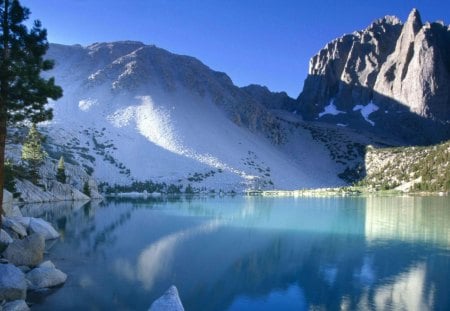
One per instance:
(86,189)
(23,91)
(33,153)
(61,171)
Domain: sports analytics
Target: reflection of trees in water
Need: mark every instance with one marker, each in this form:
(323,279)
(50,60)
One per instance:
(420,219)
(363,251)
(342,267)
(328,270)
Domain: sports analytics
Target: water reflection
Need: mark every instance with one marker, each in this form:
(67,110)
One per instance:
(247,253)
(412,219)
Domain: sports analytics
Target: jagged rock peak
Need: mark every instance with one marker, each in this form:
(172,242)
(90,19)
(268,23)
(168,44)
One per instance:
(414,20)
(389,66)
(387,20)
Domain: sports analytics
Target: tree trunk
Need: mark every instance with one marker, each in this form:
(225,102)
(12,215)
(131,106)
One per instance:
(2,160)
(4,88)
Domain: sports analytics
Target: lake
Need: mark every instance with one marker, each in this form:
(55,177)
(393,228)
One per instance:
(252,253)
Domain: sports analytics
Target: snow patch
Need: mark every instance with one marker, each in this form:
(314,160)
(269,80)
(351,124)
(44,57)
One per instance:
(366,111)
(86,104)
(330,109)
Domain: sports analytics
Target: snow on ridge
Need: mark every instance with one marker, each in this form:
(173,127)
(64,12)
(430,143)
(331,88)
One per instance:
(86,104)
(167,136)
(330,109)
(366,111)
(157,125)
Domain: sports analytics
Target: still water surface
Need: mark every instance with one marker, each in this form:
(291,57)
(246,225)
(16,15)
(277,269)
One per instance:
(253,253)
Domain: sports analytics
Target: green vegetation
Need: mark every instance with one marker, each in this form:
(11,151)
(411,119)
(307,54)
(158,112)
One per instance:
(86,189)
(422,168)
(141,186)
(33,153)
(189,189)
(24,92)
(61,171)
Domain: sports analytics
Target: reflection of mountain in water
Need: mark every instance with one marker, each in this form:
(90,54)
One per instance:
(233,253)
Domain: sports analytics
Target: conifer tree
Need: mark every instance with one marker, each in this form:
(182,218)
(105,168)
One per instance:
(61,171)
(86,189)
(33,153)
(23,91)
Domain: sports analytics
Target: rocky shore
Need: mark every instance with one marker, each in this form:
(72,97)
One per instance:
(22,266)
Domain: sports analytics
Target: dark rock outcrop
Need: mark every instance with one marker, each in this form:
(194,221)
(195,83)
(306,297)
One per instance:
(390,78)
(270,100)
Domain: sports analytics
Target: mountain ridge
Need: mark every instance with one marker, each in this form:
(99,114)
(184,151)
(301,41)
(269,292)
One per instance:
(136,112)
(398,74)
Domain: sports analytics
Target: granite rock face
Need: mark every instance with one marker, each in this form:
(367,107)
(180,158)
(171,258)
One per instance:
(390,77)
(417,73)
(346,69)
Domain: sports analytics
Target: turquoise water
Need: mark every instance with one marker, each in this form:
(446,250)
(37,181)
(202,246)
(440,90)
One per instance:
(253,253)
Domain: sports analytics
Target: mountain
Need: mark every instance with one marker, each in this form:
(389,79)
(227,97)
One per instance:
(391,79)
(270,100)
(135,112)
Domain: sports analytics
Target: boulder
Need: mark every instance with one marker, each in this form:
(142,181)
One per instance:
(8,208)
(24,221)
(26,252)
(45,275)
(169,301)
(16,305)
(5,240)
(12,283)
(14,226)
(40,226)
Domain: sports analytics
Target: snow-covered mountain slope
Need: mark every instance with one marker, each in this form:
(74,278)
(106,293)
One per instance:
(136,112)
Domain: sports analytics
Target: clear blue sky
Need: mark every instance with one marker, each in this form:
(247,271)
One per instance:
(268,42)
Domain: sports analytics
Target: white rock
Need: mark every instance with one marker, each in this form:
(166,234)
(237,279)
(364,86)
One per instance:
(47,264)
(16,305)
(44,277)
(12,283)
(26,252)
(8,208)
(15,226)
(24,221)
(170,301)
(38,225)
(5,239)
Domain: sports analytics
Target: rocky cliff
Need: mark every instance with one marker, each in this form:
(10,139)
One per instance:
(390,78)
(408,168)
